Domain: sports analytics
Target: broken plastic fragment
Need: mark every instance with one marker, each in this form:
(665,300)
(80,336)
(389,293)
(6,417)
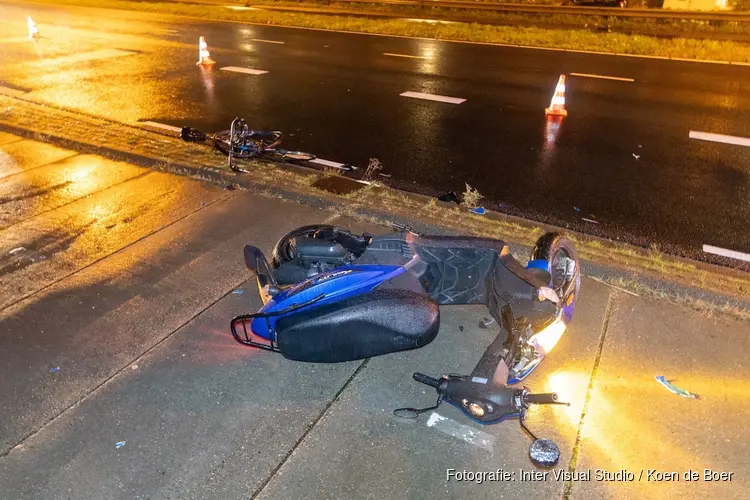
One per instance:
(478,210)
(636,156)
(54,369)
(16,250)
(576,209)
(119,444)
(239,291)
(486,322)
(674,389)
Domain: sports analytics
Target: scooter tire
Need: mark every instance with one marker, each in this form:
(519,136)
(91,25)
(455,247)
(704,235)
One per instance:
(281,254)
(547,247)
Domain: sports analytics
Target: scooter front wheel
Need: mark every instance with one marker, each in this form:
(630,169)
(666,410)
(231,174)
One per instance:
(563,266)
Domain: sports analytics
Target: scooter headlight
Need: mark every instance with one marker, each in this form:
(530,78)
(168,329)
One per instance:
(545,340)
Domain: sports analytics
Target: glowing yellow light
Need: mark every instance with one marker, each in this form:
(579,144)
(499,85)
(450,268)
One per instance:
(547,339)
(570,387)
(81,173)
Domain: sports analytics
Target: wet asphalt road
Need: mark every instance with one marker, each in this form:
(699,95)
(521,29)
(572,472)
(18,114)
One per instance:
(622,156)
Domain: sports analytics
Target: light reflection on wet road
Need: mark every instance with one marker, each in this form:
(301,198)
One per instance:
(61,217)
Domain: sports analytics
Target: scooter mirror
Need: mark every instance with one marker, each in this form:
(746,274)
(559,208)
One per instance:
(544,453)
(407,412)
(251,258)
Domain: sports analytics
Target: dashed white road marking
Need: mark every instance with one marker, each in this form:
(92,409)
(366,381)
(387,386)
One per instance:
(732,254)
(404,55)
(247,71)
(603,77)
(433,97)
(726,139)
(162,126)
(267,41)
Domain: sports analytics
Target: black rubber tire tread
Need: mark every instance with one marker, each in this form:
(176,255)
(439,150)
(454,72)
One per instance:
(549,244)
(280,253)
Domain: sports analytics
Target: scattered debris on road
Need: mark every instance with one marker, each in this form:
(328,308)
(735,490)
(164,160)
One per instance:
(373,169)
(119,444)
(16,250)
(636,156)
(478,210)
(590,220)
(54,369)
(486,322)
(674,389)
(190,134)
(239,291)
(450,196)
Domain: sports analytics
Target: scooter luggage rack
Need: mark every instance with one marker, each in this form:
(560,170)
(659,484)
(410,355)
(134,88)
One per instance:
(244,319)
(273,344)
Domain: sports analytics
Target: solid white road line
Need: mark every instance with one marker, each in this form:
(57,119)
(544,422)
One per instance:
(328,163)
(732,254)
(163,126)
(726,139)
(248,71)
(267,41)
(433,97)
(404,55)
(603,77)
(239,7)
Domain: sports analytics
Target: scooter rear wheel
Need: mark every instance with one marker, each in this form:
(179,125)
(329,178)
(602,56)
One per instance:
(281,252)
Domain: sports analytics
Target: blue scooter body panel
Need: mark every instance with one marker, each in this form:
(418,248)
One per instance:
(340,284)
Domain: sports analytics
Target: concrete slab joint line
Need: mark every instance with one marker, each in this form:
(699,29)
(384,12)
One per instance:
(310,427)
(579,433)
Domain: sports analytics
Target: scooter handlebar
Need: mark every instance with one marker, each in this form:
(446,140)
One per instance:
(549,398)
(424,379)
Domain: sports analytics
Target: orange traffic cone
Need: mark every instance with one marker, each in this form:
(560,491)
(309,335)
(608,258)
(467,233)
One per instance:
(204,58)
(557,106)
(33,31)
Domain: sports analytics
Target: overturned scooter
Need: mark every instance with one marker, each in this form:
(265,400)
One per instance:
(332,296)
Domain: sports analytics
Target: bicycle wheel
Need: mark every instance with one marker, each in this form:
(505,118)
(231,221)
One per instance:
(287,155)
(223,143)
